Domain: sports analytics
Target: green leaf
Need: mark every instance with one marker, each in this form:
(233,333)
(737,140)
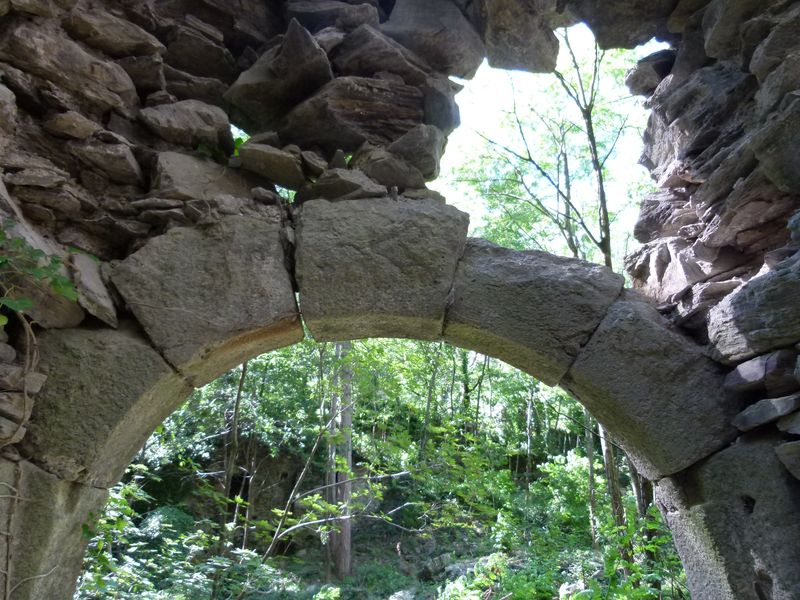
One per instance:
(16,304)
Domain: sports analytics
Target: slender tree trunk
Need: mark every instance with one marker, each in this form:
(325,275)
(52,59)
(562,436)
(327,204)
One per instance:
(589,435)
(331,495)
(612,477)
(230,457)
(528,439)
(428,403)
(344,554)
(340,462)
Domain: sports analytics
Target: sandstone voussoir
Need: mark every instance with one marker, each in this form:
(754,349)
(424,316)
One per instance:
(85,426)
(377,267)
(550,306)
(223,294)
(653,389)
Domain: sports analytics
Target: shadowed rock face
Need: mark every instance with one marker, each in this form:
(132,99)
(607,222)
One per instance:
(115,141)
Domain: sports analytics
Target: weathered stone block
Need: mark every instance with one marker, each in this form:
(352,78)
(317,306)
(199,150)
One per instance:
(789,455)
(45,543)
(790,423)
(349,111)
(518,38)
(187,177)
(653,389)
(319,14)
(387,168)
(115,161)
(114,36)
(438,32)
(191,51)
(282,77)
(86,426)
(761,316)
(550,306)
(223,294)
(772,372)
(71,124)
(366,51)
(342,184)
(93,295)
(735,519)
(378,267)
(30,47)
(423,147)
(190,123)
(278,166)
(765,411)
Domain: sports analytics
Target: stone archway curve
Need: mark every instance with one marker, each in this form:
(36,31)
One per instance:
(205,299)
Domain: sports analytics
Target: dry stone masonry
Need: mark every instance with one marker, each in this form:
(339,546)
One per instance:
(116,157)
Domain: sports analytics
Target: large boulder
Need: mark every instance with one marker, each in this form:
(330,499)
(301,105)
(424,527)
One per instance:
(437,31)
(349,111)
(187,177)
(377,267)
(366,51)
(223,294)
(85,426)
(278,166)
(518,36)
(761,316)
(550,307)
(50,54)
(114,36)
(735,519)
(281,78)
(190,123)
(653,389)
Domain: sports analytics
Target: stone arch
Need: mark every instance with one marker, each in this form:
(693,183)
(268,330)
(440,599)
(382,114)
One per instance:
(202,265)
(363,268)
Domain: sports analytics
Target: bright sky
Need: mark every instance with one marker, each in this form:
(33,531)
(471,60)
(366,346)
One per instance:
(483,103)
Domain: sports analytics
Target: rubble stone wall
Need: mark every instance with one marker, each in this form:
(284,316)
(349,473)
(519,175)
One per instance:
(116,156)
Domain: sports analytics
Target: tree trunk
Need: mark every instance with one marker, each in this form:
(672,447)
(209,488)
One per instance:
(340,463)
(589,436)
(428,404)
(612,477)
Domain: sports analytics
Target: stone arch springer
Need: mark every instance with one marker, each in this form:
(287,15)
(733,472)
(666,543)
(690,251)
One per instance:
(202,265)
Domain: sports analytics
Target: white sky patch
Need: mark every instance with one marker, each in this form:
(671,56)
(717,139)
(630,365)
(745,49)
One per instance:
(484,103)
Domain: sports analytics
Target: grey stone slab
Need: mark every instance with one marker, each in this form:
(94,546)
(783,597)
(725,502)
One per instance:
(377,267)
(766,411)
(531,309)
(735,519)
(761,316)
(46,531)
(106,392)
(211,298)
(653,389)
